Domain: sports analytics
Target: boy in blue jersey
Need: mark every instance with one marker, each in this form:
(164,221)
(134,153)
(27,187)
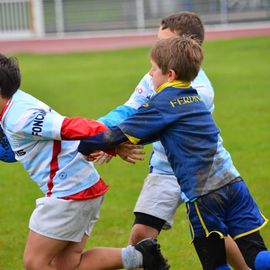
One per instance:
(155,209)
(217,199)
(45,143)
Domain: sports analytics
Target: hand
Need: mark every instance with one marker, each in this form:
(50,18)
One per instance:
(99,157)
(130,152)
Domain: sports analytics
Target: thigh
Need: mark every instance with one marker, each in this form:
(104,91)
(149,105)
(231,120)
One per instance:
(206,215)
(243,215)
(250,245)
(41,250)
(211,251)
(159,197)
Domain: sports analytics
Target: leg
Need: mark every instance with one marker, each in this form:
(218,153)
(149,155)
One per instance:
(144,254)
(70,257)
(145,226)
(254,251)
(211,251)
(234,256)
(34,259)
(155,207)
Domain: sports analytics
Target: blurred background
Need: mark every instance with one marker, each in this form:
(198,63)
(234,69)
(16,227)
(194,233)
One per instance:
(52,18)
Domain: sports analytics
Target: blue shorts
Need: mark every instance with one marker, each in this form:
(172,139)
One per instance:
(228,210)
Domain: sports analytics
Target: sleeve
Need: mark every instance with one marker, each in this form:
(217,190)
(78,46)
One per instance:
(205,89)
(117,116)
(142,93)
(6,153)
(102,141)
(77,128)
(145,125)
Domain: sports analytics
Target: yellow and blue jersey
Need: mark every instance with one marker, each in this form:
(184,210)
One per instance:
(178,117)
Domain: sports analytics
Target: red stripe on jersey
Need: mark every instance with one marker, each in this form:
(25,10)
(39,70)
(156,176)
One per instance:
(97,190)
(54,165)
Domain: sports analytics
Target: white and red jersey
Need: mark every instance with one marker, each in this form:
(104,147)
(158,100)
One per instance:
(45,143)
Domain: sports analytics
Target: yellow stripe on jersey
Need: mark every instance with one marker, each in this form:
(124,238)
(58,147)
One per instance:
(176,84)
(204,225)
(132,139)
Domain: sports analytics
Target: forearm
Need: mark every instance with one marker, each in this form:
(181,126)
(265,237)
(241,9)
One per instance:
(105,140)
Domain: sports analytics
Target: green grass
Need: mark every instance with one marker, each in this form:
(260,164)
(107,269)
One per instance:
(90,84)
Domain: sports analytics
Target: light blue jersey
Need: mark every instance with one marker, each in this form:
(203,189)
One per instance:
(34,132)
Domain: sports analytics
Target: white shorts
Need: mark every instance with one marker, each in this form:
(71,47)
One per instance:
(65,220)
(159,197)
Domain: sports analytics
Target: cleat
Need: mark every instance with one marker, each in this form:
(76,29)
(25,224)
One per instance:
(152,257)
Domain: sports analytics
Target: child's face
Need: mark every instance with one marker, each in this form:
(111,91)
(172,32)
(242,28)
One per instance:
(157,76)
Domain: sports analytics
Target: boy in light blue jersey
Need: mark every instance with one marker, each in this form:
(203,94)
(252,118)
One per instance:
(218,201)
(155,208)
(45,143)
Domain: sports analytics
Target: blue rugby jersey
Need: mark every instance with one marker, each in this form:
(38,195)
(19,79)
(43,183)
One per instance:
(180,120)
(34,132)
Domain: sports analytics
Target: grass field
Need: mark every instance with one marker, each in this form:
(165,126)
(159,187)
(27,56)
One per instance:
(90,84)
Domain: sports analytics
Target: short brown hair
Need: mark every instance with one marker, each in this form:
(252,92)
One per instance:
(184,23)
(183,54)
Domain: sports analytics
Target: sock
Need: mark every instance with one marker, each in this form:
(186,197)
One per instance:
(224,267)
(131,258)
(262,261)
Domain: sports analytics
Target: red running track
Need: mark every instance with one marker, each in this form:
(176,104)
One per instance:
(99,43)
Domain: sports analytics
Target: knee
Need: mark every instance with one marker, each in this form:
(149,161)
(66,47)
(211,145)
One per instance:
(262,260)
(31,263)
(140,232)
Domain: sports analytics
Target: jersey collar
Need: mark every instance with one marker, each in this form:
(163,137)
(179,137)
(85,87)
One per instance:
(176,84)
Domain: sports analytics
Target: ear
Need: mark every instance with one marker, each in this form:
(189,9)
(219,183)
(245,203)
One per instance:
(171,75)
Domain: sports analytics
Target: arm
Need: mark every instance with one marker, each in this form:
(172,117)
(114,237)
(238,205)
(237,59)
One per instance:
(105,140)
(80,128)
(143,126)
(205,89)
(141,94)
(117,115)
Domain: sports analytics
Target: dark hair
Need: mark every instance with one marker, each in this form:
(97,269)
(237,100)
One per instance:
(184,23)
(183,54)
(10,76)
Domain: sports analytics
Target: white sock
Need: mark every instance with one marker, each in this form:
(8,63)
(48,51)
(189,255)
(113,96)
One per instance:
(131,258)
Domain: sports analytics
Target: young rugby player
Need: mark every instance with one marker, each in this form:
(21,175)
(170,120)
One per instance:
(45,143)
(155,209)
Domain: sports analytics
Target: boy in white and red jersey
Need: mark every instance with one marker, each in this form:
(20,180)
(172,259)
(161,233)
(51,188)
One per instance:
(45,143)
